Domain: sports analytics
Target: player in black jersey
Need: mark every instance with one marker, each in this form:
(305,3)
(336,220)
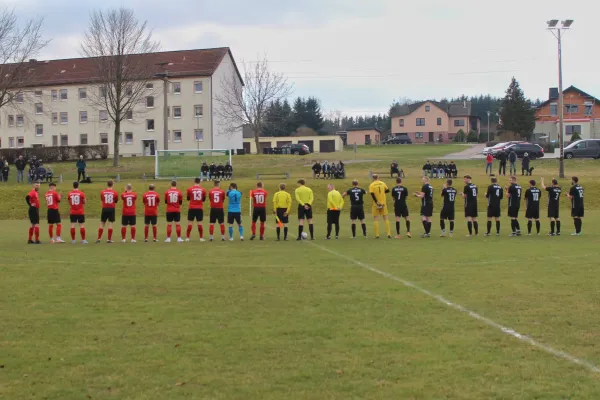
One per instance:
(357,210)
(532,212)
(426,196)
(449,196)
(494,195)
(513,193)
(470,195)
(399,194)
(576,196)
(553,206)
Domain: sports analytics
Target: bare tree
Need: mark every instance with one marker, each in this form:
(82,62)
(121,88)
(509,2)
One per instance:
(119,45)
(18,44)
(247,104)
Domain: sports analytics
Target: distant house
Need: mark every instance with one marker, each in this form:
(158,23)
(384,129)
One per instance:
(434,122)
(360,136)
(581,115)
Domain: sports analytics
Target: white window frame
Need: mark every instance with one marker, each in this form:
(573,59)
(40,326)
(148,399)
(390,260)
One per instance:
(11,142)
(54,95)
(54,118)
(21,118)
(54,140)
(11,120)
(180,112)
(39,127)
(149,99)
(19,97)
(201,131)
(66,115)
(81,135)
(419,135)
(81,120)
(153,125)
(176,88)
(127,142)
(129,115)
(101,113)
(175,134)
(201,107)
(39,108)
(82,91)
(102,92)
(149,86)
(121,138)
(61,140)
(66,93)
(201,86)
(102,135)
(20,145)
(38,92)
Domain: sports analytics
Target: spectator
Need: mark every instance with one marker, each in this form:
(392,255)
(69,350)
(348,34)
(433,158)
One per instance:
(316,168)
(49,174)
(228,171)
(426,168)
(512,158)
(525,170)
(440,168)
(220,171)
(489,159)
(40,173)
(20,166)
(326,169)
(454,169)
(32,175)
(5,170)
(212,171)
(204,172)
(341,170)
(333,170)
(502,158)
(81,165)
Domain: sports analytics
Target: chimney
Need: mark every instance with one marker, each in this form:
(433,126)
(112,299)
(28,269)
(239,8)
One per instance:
(553,94)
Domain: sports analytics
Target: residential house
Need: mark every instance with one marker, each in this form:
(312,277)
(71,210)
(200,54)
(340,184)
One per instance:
(360,136)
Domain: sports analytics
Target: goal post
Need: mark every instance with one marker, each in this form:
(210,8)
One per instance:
(186,163)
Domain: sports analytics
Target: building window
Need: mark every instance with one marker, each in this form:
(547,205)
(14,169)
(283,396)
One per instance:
(571,108)
(19,97)
(176,87)
(11,120)
(54,140)
(82,93)
(168,136)
(54,118)
(128,90)
(83,117)
(149,124)
(198,86)
(199,135)
(83,139)
(128,138)
(54,95)
(427,108)
(150,85)
(150,102)
(38,93)
(103,115)
(20,120)
(20,142)
(11,142)
(553,109)
(571,129)
(39,130)
(176,136)
(129,115)
(39,108)
(176,111)
(120,138)
(168,112)
(419,135)
(64,140)
(63,94)
(401,122)
(198,110)
(102,91)
(439,122)
(64,118)
(104,138)
(459,122)
(588,108)
(420,121)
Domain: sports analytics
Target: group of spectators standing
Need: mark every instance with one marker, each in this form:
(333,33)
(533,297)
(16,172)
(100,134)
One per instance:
(216,172)
(37,170)
(510,157)
(440,170)
(329,171)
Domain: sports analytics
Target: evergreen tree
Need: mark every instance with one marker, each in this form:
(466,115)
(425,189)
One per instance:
(517,113)
(313,117)
(299,113)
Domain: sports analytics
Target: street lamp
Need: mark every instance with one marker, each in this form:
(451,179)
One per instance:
(488,113)
(557,31)
(165,77)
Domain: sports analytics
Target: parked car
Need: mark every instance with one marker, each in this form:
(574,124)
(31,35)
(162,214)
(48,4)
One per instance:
(298,149)
(533,150)
(587,148)
(400,139)
(501,146)
(490,149)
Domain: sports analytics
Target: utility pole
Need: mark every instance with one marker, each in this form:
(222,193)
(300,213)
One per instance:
(166,111)
(488,113)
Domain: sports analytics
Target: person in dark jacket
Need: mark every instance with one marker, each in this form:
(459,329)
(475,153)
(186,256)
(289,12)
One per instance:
(394,169)
(212,171)
(220,171)
(454,169)
(426,168)
(512,159)
(5,170)
(228,171)
(204,172)
(32,174)
(316,169)
(525,170)
(326,170)
(20,165)
(502,159)
(81,165)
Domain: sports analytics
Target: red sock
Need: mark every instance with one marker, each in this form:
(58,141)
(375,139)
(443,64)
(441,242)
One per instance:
(72,233)
(30,232)
(222,229)
(262,229)
(123,232)
(58,229)
(51,231)
(253,228)
(37,233)
(169,230)
(133,231)
(201,231)
(82,232)
(178,230)
(146,229)
(100,233)
(189,231)
(110,231)
(211,229)
(154,231)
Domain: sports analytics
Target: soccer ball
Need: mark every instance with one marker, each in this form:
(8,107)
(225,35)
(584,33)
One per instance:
(304,235)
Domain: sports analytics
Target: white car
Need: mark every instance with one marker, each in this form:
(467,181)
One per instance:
(488,150)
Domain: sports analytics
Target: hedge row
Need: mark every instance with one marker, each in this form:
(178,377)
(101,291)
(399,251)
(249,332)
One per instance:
(57,153)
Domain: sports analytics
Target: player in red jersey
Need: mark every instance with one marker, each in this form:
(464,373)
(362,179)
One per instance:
(196,195)
(128,218)
(109,198)
(217,214)
(151,199)
(53,201)
(174,199)
(33,201)
(259,209)
(76,214)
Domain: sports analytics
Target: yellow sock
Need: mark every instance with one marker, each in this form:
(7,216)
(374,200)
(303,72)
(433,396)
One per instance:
(376,228)
(387,227)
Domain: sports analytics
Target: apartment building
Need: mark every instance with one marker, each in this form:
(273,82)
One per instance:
(56,107)
(434,122)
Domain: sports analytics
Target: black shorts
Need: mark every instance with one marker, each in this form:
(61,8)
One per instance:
(532,213)
(77,219)
(259,213)
(53,216)
(447,213)
(303,213)
(217,214)
(427,210)
(173,216)
(128,220)
(513,212)
(554,212)
(107,214)
(333,216)
(234,217)
(150,219)
(471,211)
(195,214)
(401,210)
(283,218)
(34,215)
(357,212)
(493,212)
(577,212)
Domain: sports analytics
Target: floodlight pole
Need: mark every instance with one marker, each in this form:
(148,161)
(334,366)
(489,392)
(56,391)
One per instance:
(488,113)
(561,113)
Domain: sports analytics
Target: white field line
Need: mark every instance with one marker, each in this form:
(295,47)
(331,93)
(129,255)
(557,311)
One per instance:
(472,314)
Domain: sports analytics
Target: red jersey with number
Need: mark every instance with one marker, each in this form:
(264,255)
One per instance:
(52,200)
(173,198)
(129,199)
(151,200)
(109,198)
(259,198)
(217,198)
(196,195)
(76,202)
(34,198)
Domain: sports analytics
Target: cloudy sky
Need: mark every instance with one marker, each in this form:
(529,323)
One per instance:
(358,56)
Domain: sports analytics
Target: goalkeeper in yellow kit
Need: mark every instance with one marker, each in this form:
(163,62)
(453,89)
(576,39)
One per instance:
(378,190)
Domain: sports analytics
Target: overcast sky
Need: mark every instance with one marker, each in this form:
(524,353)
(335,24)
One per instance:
(358,56)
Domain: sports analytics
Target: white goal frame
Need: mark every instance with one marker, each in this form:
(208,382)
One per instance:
(158,153)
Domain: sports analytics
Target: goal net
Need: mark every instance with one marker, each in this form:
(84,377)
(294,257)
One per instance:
(170,164)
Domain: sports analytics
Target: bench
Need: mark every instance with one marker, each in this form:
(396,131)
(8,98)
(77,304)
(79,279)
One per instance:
(284,175)
(381,174)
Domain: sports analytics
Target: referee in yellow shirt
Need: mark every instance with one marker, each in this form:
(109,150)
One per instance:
(305,198)
(378,190)
(335,203)
(282,207)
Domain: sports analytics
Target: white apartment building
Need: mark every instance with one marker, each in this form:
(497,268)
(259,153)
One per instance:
(56,109)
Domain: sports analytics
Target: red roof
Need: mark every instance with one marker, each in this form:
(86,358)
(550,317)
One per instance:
(181,63)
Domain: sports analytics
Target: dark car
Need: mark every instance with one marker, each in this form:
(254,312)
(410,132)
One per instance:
(533,150)
(298,149)
(588,148)
(400,139)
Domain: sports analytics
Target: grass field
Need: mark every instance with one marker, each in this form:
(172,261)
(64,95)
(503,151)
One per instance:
(363,319)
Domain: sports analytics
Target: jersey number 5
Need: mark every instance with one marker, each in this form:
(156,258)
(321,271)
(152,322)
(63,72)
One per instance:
(216,197)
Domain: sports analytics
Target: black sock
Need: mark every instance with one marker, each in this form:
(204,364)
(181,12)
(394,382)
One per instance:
(513,226)
(397,227)
(470,227)
(529,224)
(300,229)
(497,226)
(489,227)
(353,230)
(476,227)
(442,224)
(577,222)
(428,227)
(425,226)
(311,230)
(364,229)
(552,225)
(408,226)
(451,226)
(517,225)
(557,226)
(278,232)
(328,230)
(537,226)
(285,231)
(337,230)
